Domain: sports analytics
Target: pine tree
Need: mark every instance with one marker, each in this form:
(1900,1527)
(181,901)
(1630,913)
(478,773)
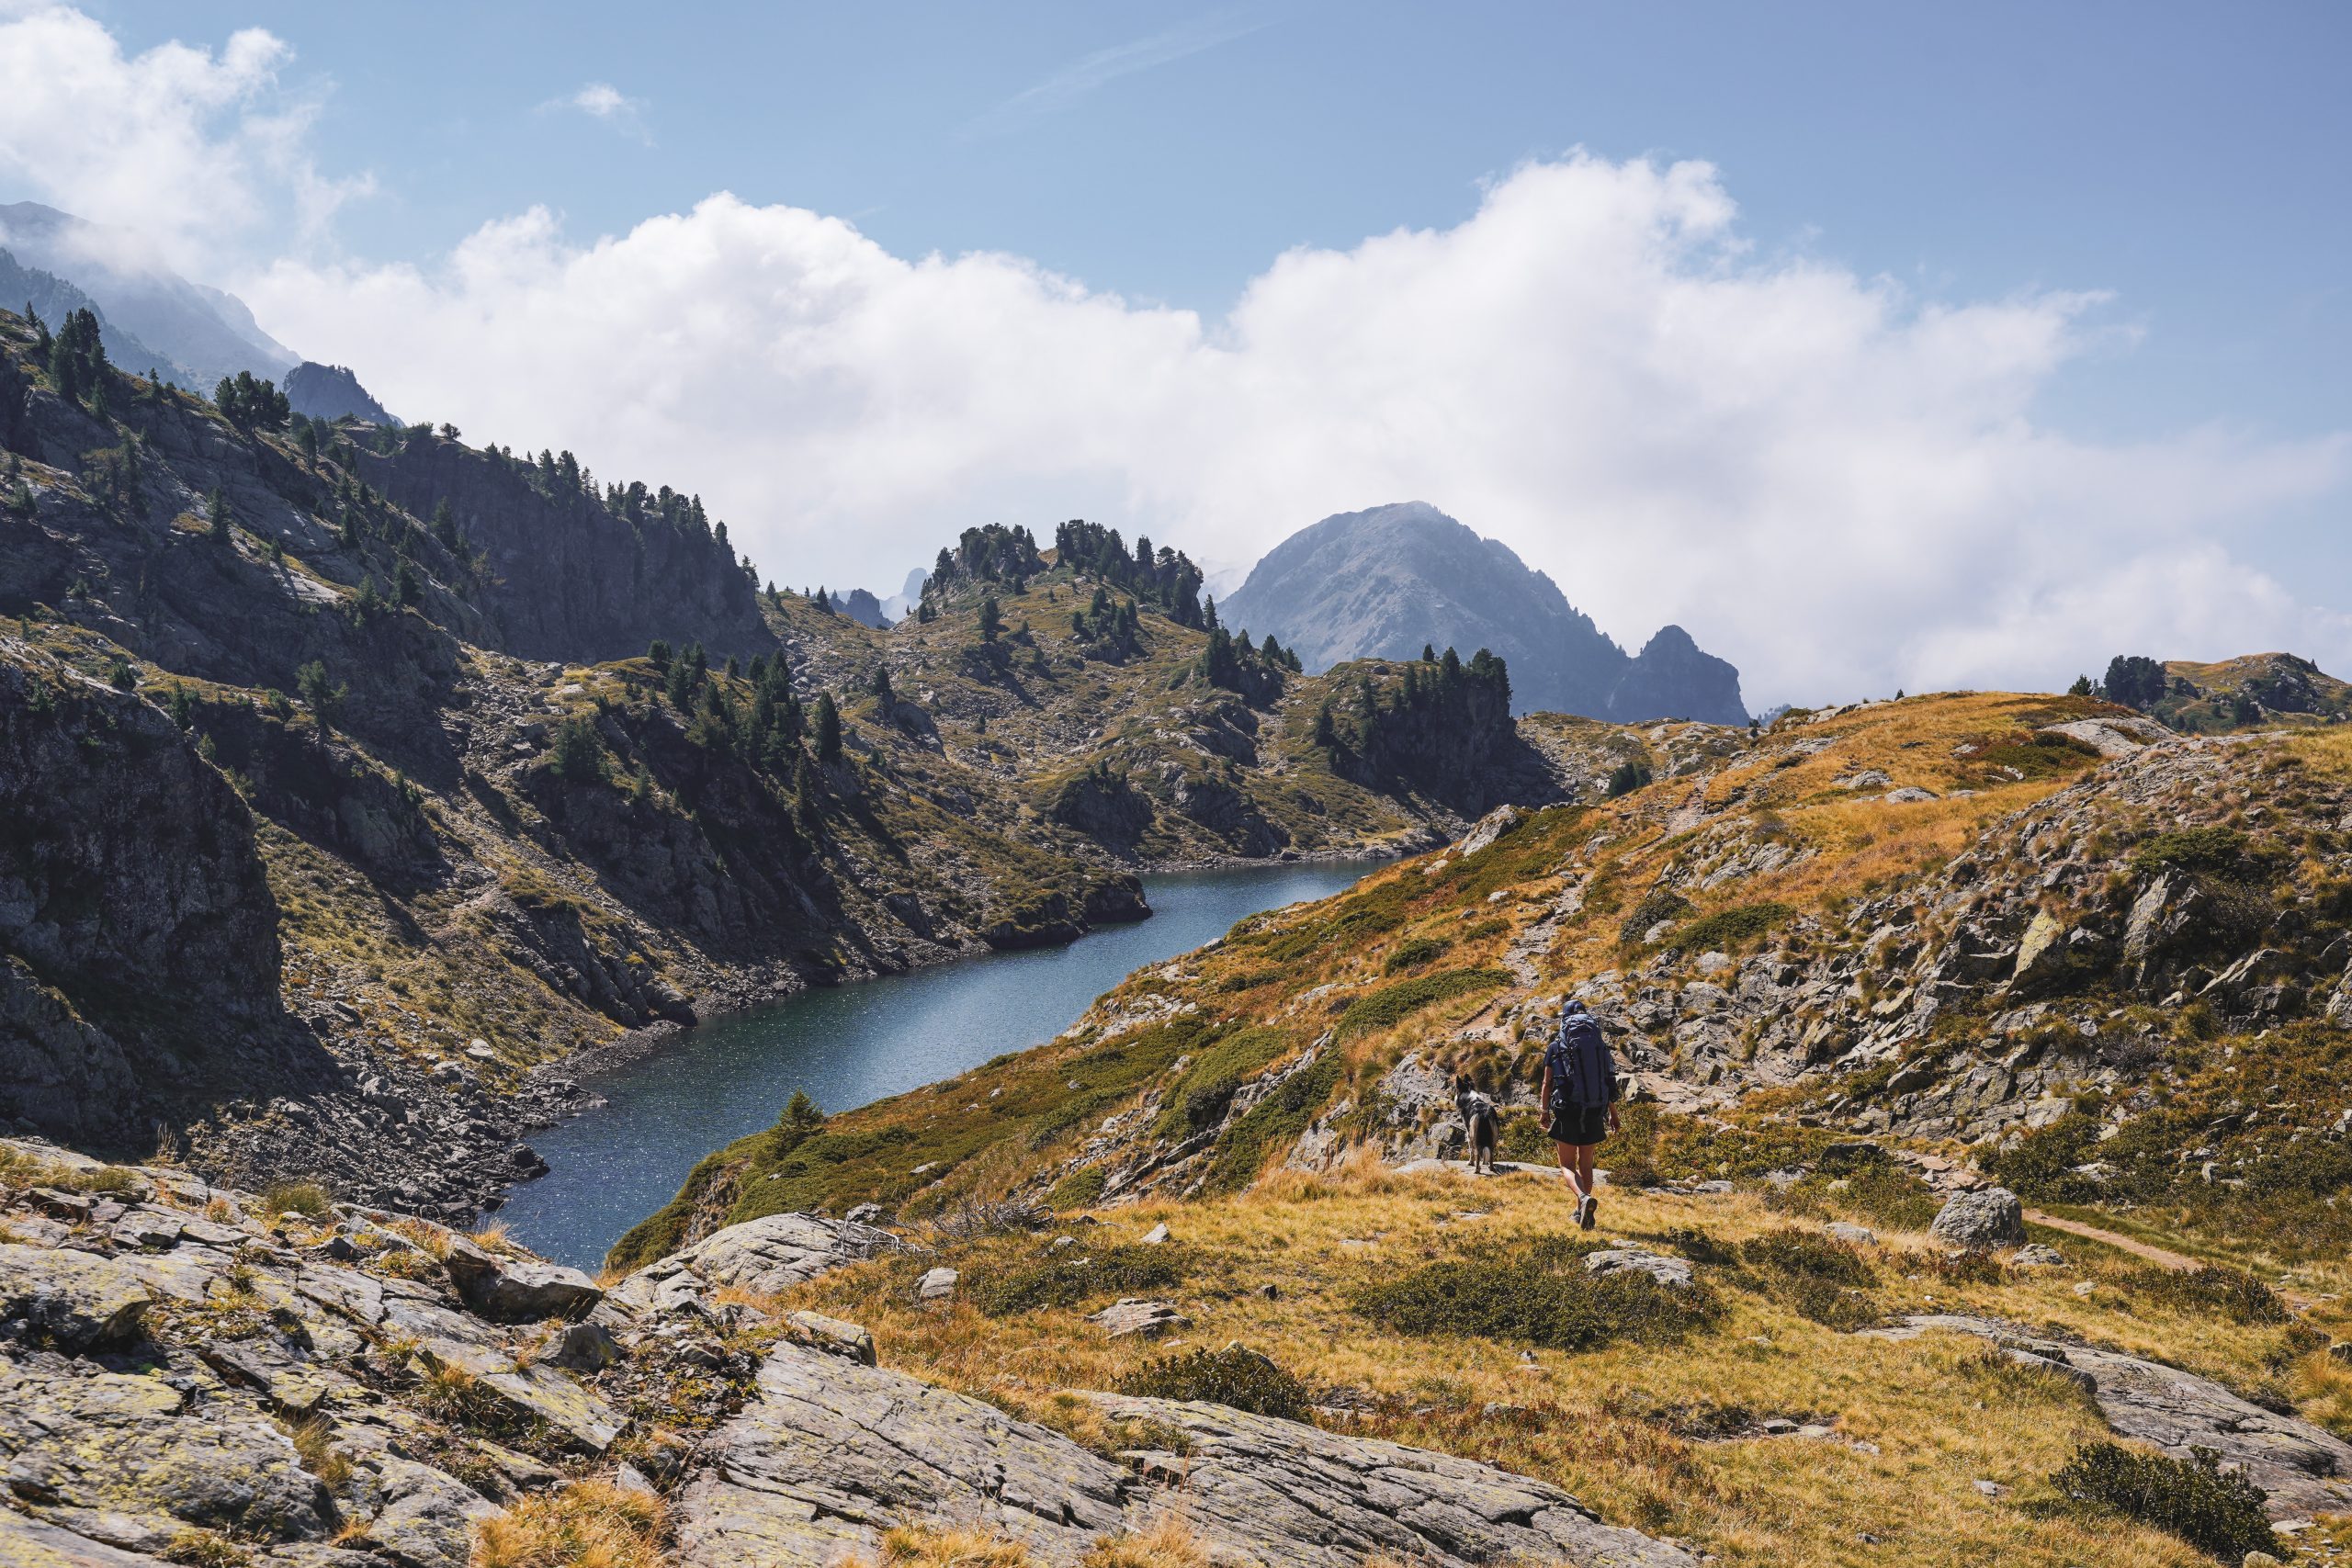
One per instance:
(829,728)
(991,619)
(216,508)
(406,588)
(445,523)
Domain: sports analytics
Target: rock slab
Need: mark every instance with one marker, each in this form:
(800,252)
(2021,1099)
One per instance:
(2305,1468)
(1988,1217)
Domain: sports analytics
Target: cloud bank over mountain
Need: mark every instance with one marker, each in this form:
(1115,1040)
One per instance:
(1847,485)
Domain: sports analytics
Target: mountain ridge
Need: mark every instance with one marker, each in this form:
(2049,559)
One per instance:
(1382,581)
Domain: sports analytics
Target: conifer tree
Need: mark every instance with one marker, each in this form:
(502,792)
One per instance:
(829,728)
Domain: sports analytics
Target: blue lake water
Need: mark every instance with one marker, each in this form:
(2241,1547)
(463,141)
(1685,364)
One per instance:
(850,1045)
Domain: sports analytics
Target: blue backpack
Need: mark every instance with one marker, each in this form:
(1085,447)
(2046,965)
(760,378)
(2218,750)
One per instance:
(1584,1076)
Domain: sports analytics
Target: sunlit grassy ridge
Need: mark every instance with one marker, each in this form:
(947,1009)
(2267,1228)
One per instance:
(1658,1432)
(1451,928)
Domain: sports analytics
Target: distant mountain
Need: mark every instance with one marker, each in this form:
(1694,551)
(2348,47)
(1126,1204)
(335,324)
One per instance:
(202,333)
(2265,690)
(1383,583)
(331,391)
(901,605)
(860,605)
(53,298)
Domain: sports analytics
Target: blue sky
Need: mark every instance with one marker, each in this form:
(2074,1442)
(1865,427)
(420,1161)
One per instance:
(2194,160)
(1878,345)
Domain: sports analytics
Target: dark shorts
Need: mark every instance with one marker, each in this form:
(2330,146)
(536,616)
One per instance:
(1580,1124)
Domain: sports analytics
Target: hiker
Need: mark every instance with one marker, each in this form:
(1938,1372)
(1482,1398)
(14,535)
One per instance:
(1580,1094)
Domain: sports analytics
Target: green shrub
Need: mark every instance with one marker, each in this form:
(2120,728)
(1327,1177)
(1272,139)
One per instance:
(1537,1294)
(1199,1097)
(1790,1251)
(1062,1281)
(1727,929)
(1658,903)
(2213,1509)
(2232,1292)
(1416,952)
(1278,1118)
(111,1178)
(2209,851)
(1391,1004)
(1820,1278)
(1078,1189)
(1235,1377)
(307,1198)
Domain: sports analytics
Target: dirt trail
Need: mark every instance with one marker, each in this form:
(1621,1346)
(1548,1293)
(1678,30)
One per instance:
(2178,1262)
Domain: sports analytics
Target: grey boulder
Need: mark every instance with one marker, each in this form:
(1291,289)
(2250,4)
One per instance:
(74,1299)
(510,1290)
(1988,1217)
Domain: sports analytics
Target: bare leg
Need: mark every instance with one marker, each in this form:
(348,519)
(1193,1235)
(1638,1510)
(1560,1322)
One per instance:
(1586,1175)
(1569,1160)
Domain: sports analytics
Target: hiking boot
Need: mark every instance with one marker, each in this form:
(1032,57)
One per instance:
(1584,1212)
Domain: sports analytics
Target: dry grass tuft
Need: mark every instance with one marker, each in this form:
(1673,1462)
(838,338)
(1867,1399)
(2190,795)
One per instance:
(933,1546)
(589,1524)
(1167,1542)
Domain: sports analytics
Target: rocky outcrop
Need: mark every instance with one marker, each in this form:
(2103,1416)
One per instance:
(331,392)
(1261,1489)
(2305,1468)
(832,1453)
(766,1255)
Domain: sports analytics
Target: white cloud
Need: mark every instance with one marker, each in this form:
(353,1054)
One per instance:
(1840,487)
(190,147)
(601,100)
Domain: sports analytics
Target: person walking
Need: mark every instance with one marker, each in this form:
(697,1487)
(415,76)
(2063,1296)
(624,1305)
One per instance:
(1580,1093)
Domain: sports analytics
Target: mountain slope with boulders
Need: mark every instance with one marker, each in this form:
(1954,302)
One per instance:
(431,766)
(1385,582)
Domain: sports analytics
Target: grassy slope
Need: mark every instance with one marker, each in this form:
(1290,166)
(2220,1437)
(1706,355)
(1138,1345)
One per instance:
(1623,1425)
(996,1128)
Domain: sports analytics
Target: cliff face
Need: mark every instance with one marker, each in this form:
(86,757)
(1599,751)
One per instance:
(566,577)
(139,953)
(1383,584)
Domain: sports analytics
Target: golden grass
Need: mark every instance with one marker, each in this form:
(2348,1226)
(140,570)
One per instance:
(953,1546)
(588,1524)
(1603,1423)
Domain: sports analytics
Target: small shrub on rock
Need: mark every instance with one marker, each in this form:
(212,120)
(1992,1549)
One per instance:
(1061,1280)
(1539,1294)
(1239,1377)
(307,1198)
(2213,1509)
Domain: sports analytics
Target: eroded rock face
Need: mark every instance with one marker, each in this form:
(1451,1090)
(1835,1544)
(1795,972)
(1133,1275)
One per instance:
(1266,1490)
(2305,1468)
(768,1255)
(155,1362)
(833,1452)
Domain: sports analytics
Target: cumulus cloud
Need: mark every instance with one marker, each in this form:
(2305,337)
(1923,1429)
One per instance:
(601,100)
(1841,487)
(190,147)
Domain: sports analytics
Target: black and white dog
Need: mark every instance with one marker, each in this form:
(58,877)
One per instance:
(1479,1124)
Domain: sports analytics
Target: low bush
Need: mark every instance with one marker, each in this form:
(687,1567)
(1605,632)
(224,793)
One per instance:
(307,1198)
(1061,1280)
(2232,1292)
(1414,953)
(1658,903)
(1820,1278)
(1537,1294)
(1238,1378)
(2213,1509)
(1728,930)
(1391,1004)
